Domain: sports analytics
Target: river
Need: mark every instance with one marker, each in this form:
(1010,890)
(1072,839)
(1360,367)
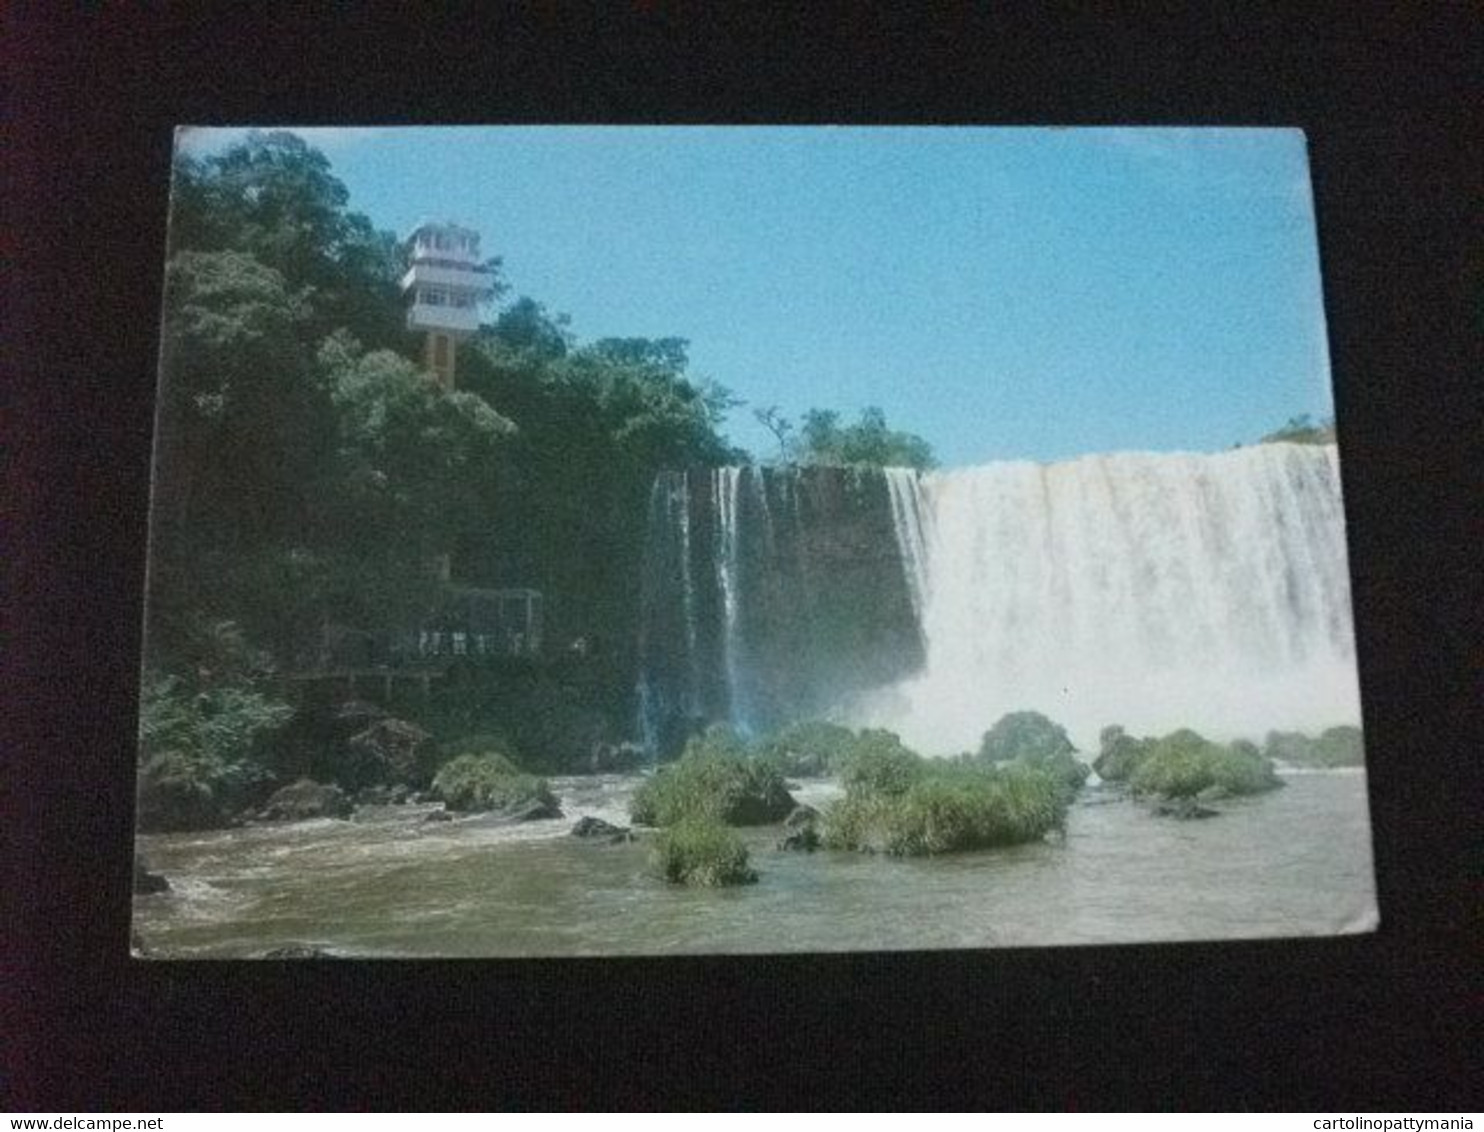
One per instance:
(1294,862)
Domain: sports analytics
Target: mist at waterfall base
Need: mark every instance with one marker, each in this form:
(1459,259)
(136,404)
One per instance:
(1151,590)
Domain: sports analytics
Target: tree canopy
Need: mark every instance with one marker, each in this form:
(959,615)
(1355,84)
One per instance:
(824,440)
(309,472)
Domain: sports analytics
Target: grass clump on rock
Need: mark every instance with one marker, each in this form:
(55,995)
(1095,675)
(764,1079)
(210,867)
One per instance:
(716,779)
(475,783)
(898,803)
(1186,765)
(1028,738)
(702,852)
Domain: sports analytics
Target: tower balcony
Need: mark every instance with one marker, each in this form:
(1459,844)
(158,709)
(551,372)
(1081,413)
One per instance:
(445,242)
(472,279)
(458,320)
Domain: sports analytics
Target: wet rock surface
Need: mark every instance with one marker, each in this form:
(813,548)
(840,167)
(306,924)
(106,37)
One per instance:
(147,883)
(598,830)
(306,799)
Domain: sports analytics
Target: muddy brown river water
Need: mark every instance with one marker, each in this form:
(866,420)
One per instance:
(1294,862)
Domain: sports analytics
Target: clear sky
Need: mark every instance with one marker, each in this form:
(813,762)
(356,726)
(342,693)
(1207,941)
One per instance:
(1005,293)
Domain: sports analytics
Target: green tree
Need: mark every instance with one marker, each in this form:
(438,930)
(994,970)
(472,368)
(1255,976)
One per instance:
(595,427)
(823,440)
(413,468)
(272,197)
(308,473)
(242,435)
(525,325)
(780,426)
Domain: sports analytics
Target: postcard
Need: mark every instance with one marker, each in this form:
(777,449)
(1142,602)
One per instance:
(586,541)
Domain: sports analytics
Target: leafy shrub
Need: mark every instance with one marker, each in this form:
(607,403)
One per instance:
(1028,738)
(1119,754)
(1024,735)
(950,808)
(1338,746)
(1183,764)
(201,752)
(809,748)
(878,763)
(1342,746)
(701,852)
(1068,770)
(715,779)
(490,781)
(1289,747)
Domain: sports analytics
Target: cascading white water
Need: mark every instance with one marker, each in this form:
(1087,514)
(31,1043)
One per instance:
(1151,590)
(907,520)
(688,596)
(727,484)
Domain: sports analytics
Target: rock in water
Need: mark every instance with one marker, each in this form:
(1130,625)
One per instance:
(805,840)
(146,882)
(596,829)
(801,815)
(1185,809)
(801,830)
(537,809)
(392,750)
(306,799)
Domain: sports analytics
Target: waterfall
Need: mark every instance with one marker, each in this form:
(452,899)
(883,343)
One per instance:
(1151,590)
(681,504)
(727,483)
(1155,591)
(770,594)
(907,522)
(670,677)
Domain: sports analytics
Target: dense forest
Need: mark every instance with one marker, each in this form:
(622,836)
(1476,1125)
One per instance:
(309,477)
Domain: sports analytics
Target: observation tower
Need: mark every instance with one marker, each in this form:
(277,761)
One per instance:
(444,287)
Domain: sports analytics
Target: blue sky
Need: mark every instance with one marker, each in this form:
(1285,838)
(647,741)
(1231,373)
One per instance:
(1005,293)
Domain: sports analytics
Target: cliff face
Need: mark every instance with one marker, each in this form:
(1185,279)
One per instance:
(770,595)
